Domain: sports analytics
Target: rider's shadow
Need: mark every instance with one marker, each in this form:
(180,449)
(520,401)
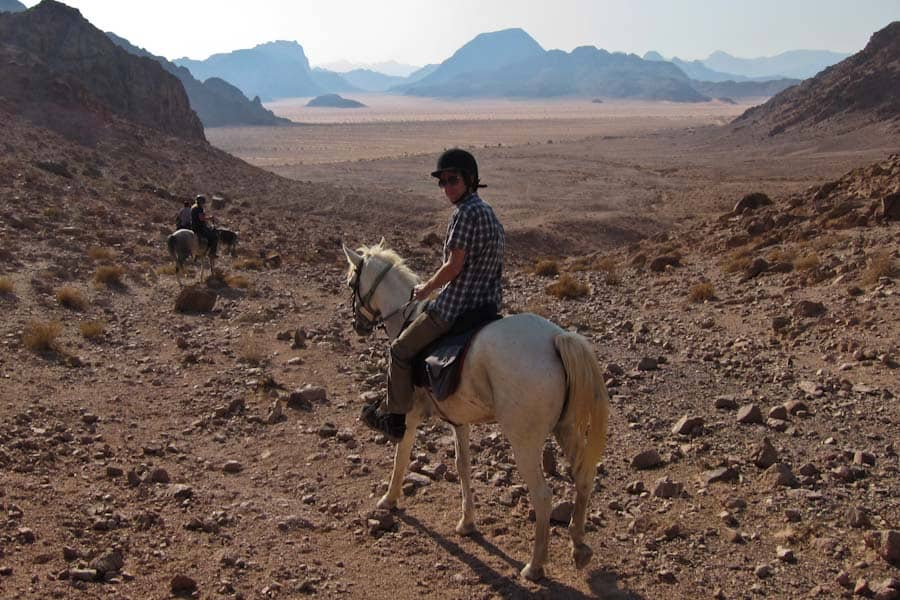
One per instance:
(602,583)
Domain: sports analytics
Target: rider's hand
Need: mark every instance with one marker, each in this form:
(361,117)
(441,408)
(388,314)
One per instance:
(421,291)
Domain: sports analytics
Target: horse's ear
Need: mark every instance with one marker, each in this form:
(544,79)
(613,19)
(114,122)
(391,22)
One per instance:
(354,258)
(383,242)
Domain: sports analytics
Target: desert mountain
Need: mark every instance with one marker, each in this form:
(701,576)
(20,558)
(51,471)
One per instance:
(694,69)
(334,101)
(60,71)
(486,53)
(794,64)
(862,89)
(12,6)
(272,70)
(216,102)
(743,89)
(372,81)
(391,68)
(586,71)
(332,81)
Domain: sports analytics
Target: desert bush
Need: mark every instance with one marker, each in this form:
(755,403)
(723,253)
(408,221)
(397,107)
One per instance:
(778,255)
(91,329)
(546,268)
(109,274)
(166,269)
(806,262)
(737,261)
(248,263)
(6,285)
(880,264)
(567,287)
(101,254)
(237,281)
(702,292)
(40,336)
(252,353)
(53,213)
(70,297)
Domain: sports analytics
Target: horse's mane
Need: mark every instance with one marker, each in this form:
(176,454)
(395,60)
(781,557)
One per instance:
(389,256)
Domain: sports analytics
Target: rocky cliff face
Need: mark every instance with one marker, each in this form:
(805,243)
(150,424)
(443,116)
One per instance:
(864,88)
(60,71)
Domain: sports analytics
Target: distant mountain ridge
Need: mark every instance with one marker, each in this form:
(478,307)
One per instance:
(12,6)
(519,67)
(61,72)
(272,70)
(391,68)
(863,89)
(216,102)
(795,64)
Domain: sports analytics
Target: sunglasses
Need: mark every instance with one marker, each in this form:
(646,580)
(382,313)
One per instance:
(449,180)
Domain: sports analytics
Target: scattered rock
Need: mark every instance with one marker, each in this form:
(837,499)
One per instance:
(646,460)
(749,414)
(765,455)
(195,299)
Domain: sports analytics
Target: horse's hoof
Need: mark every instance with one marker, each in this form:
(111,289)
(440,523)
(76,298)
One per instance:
(532,573)
(465,528)
(582,554)
(386,503)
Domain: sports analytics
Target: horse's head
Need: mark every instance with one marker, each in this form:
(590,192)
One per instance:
(369,268)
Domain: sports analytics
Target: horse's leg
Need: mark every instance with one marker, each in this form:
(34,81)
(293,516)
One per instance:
(466,524)
(528,459)
(584,480)
(401,458)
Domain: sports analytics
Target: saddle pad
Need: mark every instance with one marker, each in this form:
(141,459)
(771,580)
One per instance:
(439,366)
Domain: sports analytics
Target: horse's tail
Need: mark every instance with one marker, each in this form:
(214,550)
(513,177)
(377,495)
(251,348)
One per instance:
(587,410)
(170,242)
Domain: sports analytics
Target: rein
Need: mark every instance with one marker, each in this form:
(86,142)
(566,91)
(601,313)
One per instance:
(365,323)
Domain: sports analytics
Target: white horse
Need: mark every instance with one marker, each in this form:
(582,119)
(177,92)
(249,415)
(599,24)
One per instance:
(522,372)
(182,245)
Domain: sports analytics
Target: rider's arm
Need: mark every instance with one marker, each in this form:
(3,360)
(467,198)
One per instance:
(447,273)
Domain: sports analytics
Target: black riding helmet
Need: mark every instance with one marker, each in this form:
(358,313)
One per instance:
(457,159)
(200,199)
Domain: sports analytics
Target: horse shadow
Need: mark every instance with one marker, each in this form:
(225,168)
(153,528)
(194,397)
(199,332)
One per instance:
(603,583)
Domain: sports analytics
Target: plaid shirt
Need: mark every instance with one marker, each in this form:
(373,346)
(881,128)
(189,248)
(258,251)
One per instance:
(474,228)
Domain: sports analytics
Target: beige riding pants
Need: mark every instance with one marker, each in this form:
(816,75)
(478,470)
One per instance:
(421,332)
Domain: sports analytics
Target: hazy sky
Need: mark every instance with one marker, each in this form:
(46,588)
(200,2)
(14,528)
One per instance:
(428,31)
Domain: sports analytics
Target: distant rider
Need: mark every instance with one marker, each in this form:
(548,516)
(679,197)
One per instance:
(200,224)
(183,220)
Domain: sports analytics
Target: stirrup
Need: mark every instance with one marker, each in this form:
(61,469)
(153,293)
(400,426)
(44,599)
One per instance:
(391,425)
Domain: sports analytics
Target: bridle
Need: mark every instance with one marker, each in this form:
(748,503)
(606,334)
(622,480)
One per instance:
(366,318)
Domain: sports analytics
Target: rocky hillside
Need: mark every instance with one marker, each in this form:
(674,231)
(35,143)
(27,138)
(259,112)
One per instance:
(216,102)
(863,89)
(61,71)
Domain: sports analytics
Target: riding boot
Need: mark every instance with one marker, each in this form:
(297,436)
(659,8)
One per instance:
(392,425)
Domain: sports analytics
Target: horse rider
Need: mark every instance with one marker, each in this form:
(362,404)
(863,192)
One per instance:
(183,220)
(201,227)
(469,281)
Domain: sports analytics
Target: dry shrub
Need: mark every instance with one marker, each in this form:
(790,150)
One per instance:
(101,254)
(781,255)
(546,268)
(237,281)
(70,297)
(167,269)
(91,330)
(806,262)
(6,285)
(109,274)
(40,336)
(252,353)
(702,292)
(737,261)
(248,263)
(613,278)
(53,213)
(567,287)
(881,264)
